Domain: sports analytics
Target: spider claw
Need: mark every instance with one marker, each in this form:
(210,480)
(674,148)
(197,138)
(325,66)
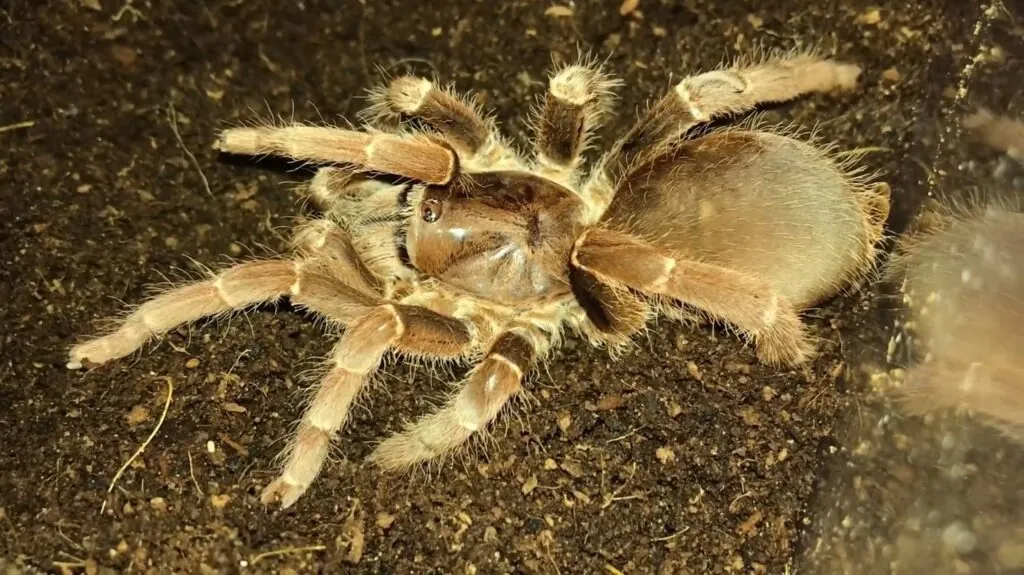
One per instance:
(283,492)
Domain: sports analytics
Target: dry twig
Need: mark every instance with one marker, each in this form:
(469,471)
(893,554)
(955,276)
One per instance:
(138,452)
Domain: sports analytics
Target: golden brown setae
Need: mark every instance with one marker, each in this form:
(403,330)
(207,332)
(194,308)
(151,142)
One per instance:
(962,278)
(479,253)
(961,272)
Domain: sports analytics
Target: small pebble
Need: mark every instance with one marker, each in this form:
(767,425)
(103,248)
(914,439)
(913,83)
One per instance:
(384,520)
(694,371)
(959,538)
(220,501)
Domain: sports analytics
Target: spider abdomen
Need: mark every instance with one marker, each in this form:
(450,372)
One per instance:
(756,202)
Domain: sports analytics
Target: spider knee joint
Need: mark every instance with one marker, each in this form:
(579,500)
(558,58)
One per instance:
(684,94)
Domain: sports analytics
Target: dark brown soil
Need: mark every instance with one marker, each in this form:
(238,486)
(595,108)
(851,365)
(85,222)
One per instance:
(685,456)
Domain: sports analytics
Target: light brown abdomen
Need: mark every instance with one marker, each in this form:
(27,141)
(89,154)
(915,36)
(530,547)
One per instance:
(756,202)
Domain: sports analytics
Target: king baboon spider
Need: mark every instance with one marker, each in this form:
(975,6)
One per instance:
(438,240)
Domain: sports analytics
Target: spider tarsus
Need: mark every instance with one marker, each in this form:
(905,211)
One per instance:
(280,491)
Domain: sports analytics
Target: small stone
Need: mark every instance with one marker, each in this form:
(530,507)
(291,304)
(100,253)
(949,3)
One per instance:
(737,367)
(158,503)
(960,538)
(490,534)
(220,501)
(891,74)
(768,393)
(628,6)
(550,465)
(674,409)
(126,55)
(192,363)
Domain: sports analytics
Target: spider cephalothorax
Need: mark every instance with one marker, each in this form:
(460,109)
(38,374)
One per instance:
(479,253)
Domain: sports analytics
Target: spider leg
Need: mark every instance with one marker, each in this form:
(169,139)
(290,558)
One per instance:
(333,249)
(578,97)
(357,355)
(496,379)
(742,300)
(346,194)
(236,288)
(702,98)
(459,121)
(411,156)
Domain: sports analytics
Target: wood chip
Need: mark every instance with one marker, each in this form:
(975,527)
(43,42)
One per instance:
(870,17)
(628,6)
(559,11)
(751,416)
(384,520)
(238,447)
(220,501)
(747,526)
(583,497)
(572,468)
(694,371)
(232,407)
(137,415)
(530,485)
(353,534)
(610,402)
(564,421)
(665,455)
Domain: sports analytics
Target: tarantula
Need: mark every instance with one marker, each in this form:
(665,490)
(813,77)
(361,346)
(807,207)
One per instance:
(438,240)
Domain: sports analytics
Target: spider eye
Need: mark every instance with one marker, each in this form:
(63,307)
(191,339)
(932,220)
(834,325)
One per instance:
(430,211)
